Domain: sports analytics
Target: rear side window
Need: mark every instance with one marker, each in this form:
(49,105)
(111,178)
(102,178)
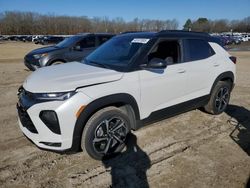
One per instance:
(103,39)
(196,49)
(87,42)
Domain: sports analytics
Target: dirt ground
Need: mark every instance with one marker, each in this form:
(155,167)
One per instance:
(194,149)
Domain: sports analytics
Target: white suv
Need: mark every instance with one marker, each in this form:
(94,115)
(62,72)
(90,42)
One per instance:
(94,104)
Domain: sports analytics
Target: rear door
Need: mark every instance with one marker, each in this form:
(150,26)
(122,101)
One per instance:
(200,67)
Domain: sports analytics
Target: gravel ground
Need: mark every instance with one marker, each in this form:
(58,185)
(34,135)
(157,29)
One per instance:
(194,149)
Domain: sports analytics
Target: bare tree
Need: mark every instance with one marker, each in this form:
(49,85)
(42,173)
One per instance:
(14,22)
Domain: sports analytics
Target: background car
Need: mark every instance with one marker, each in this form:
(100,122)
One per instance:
(246,38)
(39,39)
(237,39)
(220,40)
(229,39)
(74,48)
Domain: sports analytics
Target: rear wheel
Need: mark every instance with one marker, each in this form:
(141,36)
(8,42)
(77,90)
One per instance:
(219,98)
(105,133)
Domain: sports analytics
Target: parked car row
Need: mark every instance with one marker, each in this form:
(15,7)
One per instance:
(44,40)
(228,39)
(22,38)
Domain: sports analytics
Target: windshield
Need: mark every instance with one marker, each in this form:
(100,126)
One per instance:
(116,53)
(67,42)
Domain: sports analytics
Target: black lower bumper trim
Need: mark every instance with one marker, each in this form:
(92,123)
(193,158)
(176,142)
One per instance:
(54,144)
(25,120)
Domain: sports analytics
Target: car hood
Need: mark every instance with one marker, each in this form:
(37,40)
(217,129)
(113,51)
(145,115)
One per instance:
(68,77)
(44,50)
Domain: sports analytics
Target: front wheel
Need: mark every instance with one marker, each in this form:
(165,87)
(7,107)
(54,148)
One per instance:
(105,133)
(219,99)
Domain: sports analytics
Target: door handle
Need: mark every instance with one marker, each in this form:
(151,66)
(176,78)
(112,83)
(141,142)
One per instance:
(181,71)
(216,64)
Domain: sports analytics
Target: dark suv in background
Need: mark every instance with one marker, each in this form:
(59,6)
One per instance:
(74,48)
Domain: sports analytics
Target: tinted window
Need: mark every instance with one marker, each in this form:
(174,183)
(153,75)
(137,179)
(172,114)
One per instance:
(196,49)
(87,42)
(103,39)
(68,42)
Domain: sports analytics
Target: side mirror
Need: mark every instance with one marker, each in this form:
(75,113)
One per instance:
(77,48)
(155,63)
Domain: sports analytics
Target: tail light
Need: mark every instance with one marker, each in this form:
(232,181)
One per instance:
(233,59)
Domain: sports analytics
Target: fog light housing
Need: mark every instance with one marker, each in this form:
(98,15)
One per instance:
(49,118)
(54,144)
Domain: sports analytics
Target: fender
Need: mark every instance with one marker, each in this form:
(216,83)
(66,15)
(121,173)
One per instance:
(116,99)
(223,76)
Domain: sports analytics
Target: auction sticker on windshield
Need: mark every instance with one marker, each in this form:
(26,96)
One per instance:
(140,40)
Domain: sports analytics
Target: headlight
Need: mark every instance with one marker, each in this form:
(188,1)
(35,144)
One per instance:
(55,96)
(38,56)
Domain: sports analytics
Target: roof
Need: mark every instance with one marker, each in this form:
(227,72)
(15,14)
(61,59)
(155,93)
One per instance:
(171,34)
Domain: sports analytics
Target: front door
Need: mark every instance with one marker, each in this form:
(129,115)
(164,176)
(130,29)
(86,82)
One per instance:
(165,87)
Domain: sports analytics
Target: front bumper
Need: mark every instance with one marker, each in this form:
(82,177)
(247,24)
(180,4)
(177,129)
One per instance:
(31,63)
(34,128)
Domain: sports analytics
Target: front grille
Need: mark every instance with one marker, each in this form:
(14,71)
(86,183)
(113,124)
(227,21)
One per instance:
(28,94)
(25,119)
(26,99)
(31,60)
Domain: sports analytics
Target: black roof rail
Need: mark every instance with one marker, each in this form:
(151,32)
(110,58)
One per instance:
(183,31)
(130,32)
(100,33)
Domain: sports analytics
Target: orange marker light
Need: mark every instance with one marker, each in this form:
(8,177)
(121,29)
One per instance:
(80,111)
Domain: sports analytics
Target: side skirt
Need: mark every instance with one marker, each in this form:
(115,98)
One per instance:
(173,111)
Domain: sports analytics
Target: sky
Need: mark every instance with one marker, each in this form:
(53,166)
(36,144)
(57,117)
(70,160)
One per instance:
(130,9)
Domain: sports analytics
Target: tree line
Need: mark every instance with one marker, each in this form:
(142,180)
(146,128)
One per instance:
(218,26)
(30,23)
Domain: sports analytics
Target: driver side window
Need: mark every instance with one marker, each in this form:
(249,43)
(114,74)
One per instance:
(167,50)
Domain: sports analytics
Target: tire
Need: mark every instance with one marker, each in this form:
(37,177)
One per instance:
(100,143)
(219,98)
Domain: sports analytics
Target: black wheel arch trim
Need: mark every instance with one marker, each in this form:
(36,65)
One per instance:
(91,108)
(223,76)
